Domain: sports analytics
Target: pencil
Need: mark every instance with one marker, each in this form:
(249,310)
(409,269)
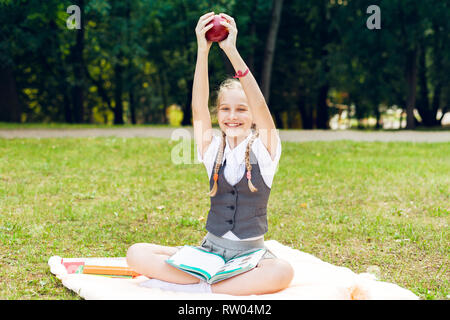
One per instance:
(108,270)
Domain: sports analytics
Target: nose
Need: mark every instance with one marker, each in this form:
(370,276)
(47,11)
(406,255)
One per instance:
(233,114)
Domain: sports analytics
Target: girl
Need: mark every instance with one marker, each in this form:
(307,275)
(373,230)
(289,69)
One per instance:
(241,165)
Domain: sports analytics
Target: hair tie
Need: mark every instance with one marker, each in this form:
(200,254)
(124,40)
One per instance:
(215,177)
(249,175)
(239,74)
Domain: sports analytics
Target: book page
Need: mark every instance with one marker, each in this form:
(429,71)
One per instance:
(195,258)
(242,262)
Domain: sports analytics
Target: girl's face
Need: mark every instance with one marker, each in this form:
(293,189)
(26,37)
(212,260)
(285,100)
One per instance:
(233,114)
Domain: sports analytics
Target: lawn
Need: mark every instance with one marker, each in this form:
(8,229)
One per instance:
(383,206)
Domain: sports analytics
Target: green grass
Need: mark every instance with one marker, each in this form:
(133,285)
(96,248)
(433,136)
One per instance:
(353,204)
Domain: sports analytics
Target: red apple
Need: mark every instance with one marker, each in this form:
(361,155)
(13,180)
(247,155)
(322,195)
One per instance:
(218,32)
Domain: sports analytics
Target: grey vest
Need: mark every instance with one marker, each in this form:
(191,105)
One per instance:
(236,208)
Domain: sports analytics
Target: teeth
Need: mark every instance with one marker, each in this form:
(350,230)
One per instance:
(233,124)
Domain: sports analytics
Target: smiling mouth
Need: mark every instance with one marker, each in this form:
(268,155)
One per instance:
(233,124)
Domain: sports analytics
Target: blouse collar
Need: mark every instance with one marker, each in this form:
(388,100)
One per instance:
(238,153)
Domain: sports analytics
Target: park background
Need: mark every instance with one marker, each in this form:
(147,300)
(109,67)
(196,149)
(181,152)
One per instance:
(318,64)
(377,206)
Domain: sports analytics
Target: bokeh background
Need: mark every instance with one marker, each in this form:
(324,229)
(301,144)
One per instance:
(320,67)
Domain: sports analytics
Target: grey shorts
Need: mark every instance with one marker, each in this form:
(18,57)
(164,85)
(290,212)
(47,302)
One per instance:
(230,248)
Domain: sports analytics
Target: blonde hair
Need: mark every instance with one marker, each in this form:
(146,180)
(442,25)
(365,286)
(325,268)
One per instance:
(227,84)
(232,84)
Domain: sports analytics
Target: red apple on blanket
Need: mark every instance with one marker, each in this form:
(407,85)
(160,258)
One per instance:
(218,32)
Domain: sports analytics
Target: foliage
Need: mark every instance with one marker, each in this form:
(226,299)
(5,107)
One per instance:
(134,58)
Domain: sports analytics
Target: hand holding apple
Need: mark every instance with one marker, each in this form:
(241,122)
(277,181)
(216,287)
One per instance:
(230,41)
(200,30)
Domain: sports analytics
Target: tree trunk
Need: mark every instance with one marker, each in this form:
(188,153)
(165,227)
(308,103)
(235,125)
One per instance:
(378,117)
(444,111)
(118,90)
(187,111)
(270,49)
(187,108)
(436,102)
(439,71)
(322,121)
(130,68)
(68,114)
(78,67)
(423,104)
(359,114)
(322,107)
(132,102)
(427,113)
(253,17)
(411,81)
(305,111)
(10,108)
(163,92)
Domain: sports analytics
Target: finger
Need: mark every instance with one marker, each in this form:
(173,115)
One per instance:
(209,26)
(228,26)
(206,15)
(208,20)
(203,18)
(230,19)
(201,24)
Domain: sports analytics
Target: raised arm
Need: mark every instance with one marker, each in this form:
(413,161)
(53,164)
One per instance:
(200,89)
(260,111)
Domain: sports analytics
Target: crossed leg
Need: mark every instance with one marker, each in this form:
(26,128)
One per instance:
(150,260)
(271,275)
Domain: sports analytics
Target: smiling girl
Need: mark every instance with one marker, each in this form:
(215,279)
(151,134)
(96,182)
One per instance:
(241,165)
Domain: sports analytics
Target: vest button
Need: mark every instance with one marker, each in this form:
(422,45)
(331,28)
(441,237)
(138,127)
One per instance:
(232,192)
(231,207)
(230,221)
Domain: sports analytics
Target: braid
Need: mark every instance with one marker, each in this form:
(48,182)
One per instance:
(247,161)
(217,165)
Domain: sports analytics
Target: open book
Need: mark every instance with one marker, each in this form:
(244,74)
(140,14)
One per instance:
(212,267)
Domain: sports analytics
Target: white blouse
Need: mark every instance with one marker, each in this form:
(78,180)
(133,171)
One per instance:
(235,168)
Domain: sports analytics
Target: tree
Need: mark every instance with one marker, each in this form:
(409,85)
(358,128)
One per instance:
(433,60)
(269,51)
(10,107)
(77,62)
(134,58)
